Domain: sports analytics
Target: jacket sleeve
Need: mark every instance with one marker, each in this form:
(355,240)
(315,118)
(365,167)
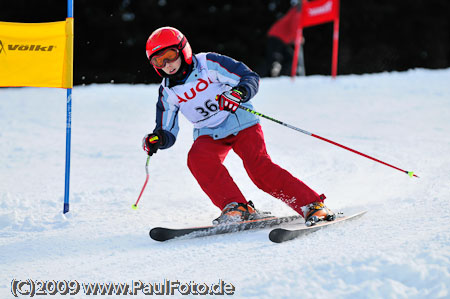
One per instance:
(234,73)
(166,120)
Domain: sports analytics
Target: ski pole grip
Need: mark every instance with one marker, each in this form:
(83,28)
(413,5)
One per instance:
(154,139)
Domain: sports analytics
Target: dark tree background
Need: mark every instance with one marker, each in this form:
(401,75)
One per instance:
(375,35)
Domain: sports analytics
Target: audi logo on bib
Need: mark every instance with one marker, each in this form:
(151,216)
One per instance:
(202,85)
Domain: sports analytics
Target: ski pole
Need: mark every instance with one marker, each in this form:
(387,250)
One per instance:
(134,206)
(410,173)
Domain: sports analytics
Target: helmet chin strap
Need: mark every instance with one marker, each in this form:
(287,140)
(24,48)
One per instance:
(181,75)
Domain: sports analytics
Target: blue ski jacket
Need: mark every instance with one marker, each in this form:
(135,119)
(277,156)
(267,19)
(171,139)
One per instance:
(212,74)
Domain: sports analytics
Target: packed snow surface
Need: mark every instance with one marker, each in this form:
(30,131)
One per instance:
(399,249)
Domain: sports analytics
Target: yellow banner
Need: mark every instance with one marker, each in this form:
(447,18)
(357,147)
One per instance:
(36,54)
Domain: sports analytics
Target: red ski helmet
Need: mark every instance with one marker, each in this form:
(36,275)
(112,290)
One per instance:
(166,37)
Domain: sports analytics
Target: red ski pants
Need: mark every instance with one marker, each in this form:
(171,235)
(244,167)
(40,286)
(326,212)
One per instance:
(205,160)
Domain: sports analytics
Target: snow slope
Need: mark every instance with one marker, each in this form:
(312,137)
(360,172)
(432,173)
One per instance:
(399,249)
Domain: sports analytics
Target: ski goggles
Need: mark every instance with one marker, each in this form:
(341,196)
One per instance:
(168,55)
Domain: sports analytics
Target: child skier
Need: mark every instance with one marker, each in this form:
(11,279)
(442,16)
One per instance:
(207,88)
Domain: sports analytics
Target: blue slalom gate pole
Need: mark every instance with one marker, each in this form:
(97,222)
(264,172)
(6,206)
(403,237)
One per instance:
(68,129)
(68,139)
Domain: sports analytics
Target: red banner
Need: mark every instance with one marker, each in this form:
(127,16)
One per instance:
(314,13)
(318,12)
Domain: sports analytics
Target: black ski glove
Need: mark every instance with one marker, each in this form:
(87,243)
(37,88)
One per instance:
(151,143)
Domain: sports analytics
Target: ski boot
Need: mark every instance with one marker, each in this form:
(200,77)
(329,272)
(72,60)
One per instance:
(316,212)
(237,212)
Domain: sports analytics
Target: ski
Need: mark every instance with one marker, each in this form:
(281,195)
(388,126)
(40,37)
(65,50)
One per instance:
(280,235)
(163,234)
